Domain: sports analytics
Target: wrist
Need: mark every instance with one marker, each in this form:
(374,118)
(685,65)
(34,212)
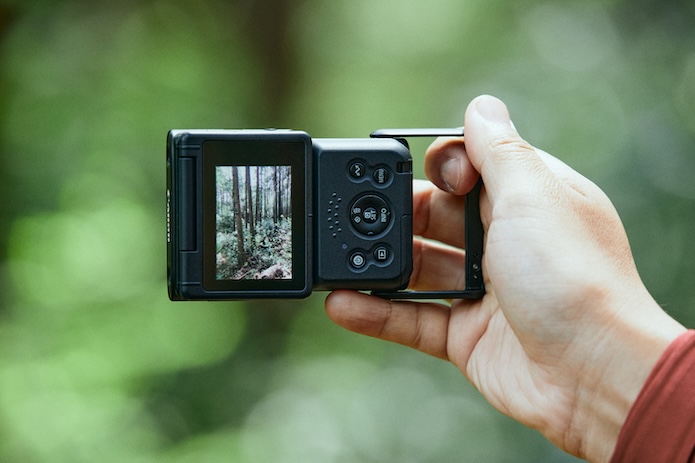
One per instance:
(615,374)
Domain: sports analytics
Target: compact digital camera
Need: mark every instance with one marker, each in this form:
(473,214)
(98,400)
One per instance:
(277,214)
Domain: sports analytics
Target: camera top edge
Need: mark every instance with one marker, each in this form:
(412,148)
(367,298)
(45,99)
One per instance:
(380,133)
(417,132)
(179,134)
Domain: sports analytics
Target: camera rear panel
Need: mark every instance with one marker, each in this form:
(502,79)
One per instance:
(363,214)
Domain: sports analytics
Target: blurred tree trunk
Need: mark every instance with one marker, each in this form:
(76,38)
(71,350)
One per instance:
(6,16)
(7,184)
(273,42)
(270,38)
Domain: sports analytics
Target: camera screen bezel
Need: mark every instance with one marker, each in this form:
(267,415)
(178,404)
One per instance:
(261,151)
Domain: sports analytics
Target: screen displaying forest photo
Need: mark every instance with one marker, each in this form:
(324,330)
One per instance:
(253,222)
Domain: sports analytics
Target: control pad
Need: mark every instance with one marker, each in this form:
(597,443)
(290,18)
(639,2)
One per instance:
(370,214)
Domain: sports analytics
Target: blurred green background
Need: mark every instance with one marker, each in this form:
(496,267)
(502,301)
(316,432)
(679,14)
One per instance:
(97,365)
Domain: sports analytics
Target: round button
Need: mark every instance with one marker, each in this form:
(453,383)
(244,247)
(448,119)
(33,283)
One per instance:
(357,170)
(381,175)
(358,260)
(381,254)
(370,215)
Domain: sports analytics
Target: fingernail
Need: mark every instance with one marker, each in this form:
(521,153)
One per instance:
(493,110)
(451,173)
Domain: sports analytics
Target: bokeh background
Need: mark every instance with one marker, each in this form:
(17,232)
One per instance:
(97,365)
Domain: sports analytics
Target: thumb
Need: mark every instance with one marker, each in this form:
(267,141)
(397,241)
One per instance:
(506,162)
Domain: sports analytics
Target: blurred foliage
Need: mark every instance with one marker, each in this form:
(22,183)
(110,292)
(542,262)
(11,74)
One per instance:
(97,364)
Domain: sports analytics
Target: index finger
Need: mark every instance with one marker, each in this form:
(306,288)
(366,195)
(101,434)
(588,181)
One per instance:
(447,165)
(422,326)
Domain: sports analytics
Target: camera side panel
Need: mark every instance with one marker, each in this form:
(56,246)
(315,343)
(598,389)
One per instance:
(363,214)
(184,215)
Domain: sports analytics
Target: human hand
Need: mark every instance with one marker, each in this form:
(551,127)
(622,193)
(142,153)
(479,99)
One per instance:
(567,333)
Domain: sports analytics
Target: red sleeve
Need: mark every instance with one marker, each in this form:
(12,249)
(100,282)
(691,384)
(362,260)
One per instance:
(661,424)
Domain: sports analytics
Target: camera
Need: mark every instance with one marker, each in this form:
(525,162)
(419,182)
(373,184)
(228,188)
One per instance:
(276,214)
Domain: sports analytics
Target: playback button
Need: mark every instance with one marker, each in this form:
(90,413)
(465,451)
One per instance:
(382,254)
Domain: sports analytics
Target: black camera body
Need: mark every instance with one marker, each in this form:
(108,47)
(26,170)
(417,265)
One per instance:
(277,214)
(363,233)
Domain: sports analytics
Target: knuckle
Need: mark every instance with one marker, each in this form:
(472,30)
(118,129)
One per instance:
(506,145)
(416,340)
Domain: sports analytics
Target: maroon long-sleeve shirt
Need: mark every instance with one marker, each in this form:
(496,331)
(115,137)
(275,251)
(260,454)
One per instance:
(660,426)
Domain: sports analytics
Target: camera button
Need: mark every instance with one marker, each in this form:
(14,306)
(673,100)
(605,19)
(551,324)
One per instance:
(358,260)
(381,254)
(357,170)
(370,215)
(381,175)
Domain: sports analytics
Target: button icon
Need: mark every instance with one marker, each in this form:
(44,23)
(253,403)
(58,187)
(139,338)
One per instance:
(370,215)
